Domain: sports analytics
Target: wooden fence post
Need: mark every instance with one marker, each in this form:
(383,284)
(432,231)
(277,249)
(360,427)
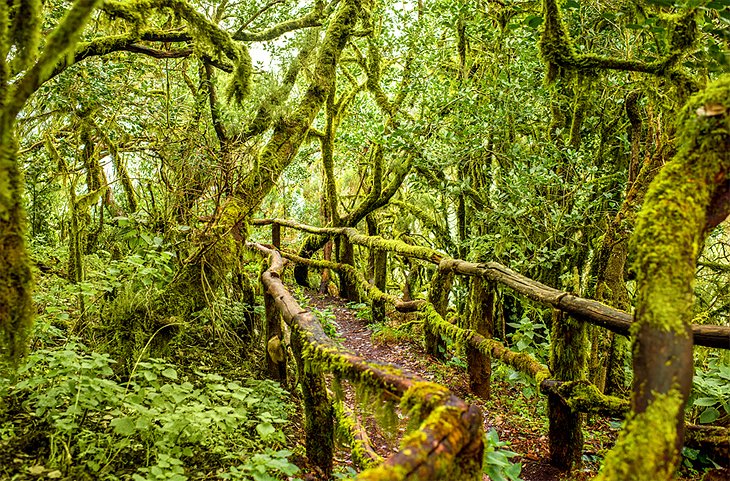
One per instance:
(319,413)
(377,307)
(481,320)
(348,287)
(438,295)
(275,349)
(276,235)
(568,357)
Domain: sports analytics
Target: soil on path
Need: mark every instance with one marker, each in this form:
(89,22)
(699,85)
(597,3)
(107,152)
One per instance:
(527,438)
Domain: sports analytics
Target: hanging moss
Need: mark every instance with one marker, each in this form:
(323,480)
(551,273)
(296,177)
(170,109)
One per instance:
(120,168)
(210,39)
(349,430)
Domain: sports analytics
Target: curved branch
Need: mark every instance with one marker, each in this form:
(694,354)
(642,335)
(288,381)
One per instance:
(674,222)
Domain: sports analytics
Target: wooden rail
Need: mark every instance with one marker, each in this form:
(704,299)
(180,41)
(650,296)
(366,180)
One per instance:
(447,445)
(568,393)
(583,309)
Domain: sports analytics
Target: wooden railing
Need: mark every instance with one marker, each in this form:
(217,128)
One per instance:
(449,441)
(568,393)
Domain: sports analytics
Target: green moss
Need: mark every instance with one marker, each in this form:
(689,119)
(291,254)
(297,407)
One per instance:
(643,446)
(210,39)
(26,32)
(16,282)
(421,398)
(583,396)
(672,224)
(349,430)
(557,48)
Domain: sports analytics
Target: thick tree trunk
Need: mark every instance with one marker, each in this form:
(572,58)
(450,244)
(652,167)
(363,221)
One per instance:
(16,282)
(687,199)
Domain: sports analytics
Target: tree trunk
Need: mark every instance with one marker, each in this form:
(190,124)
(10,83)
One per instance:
(481,319)
(16,282)
(688,198)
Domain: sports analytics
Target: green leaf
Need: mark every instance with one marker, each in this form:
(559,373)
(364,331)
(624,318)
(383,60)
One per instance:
(709,415)
(705,401)
(169,373)
(265,429)
(124,426)
(533,21)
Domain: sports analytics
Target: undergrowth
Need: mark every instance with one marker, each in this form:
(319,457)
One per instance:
(67,415)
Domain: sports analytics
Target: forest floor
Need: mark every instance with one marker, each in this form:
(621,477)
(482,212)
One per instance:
(515,411)
(516,417)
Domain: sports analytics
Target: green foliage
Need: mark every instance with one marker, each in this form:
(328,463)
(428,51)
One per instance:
(327,318)
(530,335)
(497,464)
(711,392)
(178,424)
(362,311)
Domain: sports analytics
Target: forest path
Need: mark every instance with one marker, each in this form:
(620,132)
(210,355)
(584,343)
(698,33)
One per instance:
(509,411)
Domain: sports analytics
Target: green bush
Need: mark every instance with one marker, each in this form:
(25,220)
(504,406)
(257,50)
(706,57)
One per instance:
(157,425)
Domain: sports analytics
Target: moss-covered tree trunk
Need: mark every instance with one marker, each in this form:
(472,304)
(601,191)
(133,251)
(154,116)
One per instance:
(318,411)
(378,267)
(688,198)
(16,284)
(481,319)
(23,69)
(348,285)
(610,351)
(438,295)
(568,356)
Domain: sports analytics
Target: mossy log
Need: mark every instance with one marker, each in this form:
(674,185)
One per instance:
(583,396)
(449,442)
(372,291)
(580,308)
(713,440)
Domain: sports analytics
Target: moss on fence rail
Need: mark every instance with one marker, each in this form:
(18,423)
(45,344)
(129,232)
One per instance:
(449,441)
(586,310)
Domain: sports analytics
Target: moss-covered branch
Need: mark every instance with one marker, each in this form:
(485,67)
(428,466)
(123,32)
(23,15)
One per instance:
(312,19)
(676,218)
(428,222)
(587,310)
(289,133)
(210,39)
(61,39)
(557,47)
(278,96)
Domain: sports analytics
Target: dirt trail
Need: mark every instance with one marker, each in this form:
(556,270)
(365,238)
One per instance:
(526,439)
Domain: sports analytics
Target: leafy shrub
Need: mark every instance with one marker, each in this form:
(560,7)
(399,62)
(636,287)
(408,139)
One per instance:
(711,391)
(154,426)
(497,464)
